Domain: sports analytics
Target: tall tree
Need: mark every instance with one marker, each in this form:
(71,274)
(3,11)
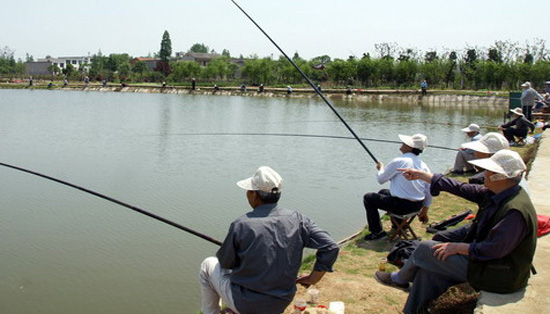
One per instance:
(199,48)
(165,47)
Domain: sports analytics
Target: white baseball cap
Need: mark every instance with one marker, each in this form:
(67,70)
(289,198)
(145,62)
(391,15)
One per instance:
(419,141)
(505,162)
(526,84)
(471,128)
(264,179)
(490,143)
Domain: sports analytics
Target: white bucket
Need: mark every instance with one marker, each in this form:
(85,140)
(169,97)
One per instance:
(336,307)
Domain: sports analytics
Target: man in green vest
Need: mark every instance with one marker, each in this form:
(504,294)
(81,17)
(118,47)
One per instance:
(496,251)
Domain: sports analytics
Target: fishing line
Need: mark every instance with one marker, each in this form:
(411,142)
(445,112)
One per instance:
(309,82)
(305,135)
(110,199)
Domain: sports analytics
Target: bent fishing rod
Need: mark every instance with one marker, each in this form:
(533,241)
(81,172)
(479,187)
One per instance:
(309,82)
(110,199)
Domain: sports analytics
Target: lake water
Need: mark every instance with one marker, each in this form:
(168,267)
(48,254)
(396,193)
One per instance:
(65,251)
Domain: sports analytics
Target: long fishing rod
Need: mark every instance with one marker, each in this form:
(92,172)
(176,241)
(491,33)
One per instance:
(308,81)
(110,199)
(304,135)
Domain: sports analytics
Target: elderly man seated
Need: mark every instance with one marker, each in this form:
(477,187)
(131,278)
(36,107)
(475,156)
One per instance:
(518,127)
(464,154)
(493,254)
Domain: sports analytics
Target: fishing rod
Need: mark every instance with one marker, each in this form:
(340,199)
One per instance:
(305,135)
(309,82)
(110,199)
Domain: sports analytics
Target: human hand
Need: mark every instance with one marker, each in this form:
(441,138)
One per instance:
(311,279)
(379,165)
(442,251)
(414,174)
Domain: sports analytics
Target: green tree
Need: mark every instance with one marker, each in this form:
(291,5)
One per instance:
(199,48)
(165,52)
(184,70)
(260,71)
(367,71)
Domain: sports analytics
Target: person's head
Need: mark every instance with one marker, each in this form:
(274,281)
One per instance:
(487,145)
(502,170)
(471,130)
(263,187)
(526,85)
(517,112)
(415,144)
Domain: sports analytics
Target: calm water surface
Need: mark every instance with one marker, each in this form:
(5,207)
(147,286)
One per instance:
(64,251)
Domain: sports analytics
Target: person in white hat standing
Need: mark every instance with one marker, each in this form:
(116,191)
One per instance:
(517,127)
(527,99)
(496,253)
(256,267)
(403,196)
(464,155)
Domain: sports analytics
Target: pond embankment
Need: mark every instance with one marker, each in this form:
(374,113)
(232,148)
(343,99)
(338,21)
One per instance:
(496,100)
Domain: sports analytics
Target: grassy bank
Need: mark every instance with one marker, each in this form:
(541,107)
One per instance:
(352,281)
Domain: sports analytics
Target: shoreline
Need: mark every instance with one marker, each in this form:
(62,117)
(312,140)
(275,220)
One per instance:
(495,100)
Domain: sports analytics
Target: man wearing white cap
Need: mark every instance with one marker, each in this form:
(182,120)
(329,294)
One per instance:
(464,155)
(256,268)
(518,127)
(489,144)
(403,197)
(527,99)
(496,254)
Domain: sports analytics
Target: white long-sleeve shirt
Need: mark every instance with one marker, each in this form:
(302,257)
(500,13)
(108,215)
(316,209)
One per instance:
(415,190)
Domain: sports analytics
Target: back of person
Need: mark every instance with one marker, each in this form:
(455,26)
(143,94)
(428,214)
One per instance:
(271,242)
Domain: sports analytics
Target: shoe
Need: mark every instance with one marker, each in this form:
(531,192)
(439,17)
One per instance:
(375,236)
(460,172)
(385,279)
(470,171)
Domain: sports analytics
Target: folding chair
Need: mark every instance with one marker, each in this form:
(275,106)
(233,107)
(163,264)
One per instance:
(402,224)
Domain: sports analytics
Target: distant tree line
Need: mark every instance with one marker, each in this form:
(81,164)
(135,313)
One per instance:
(503,66)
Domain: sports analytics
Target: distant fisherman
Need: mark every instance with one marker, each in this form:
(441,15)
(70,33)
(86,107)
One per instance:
(528,99)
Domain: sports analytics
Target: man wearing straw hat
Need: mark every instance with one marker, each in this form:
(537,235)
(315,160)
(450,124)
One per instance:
(255,269)
(518,127)
(403,197)
(497,253)
(464,155)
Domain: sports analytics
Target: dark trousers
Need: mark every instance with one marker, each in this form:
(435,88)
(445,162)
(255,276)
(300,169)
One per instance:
(527,111)
(383,200)
(511,133)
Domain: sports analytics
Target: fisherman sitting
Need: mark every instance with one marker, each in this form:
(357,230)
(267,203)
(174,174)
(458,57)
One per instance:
(257,266)
(495,254)
(403,197)
(464,155)
(518,127)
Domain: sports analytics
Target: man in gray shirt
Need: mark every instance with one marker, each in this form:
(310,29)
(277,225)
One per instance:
(528,99)
(256,268)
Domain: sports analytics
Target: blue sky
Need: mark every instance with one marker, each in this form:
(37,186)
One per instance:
(338,28)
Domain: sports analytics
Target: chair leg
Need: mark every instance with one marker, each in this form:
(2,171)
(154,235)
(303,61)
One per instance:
(402,227)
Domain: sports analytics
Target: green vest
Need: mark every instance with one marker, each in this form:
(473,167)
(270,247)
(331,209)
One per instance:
(511,272)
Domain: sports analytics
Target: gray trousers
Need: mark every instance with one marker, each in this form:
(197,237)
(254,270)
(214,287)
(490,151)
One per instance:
(430,276)
(461,160)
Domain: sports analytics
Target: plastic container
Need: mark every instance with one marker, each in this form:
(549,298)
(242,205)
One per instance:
(336,307)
